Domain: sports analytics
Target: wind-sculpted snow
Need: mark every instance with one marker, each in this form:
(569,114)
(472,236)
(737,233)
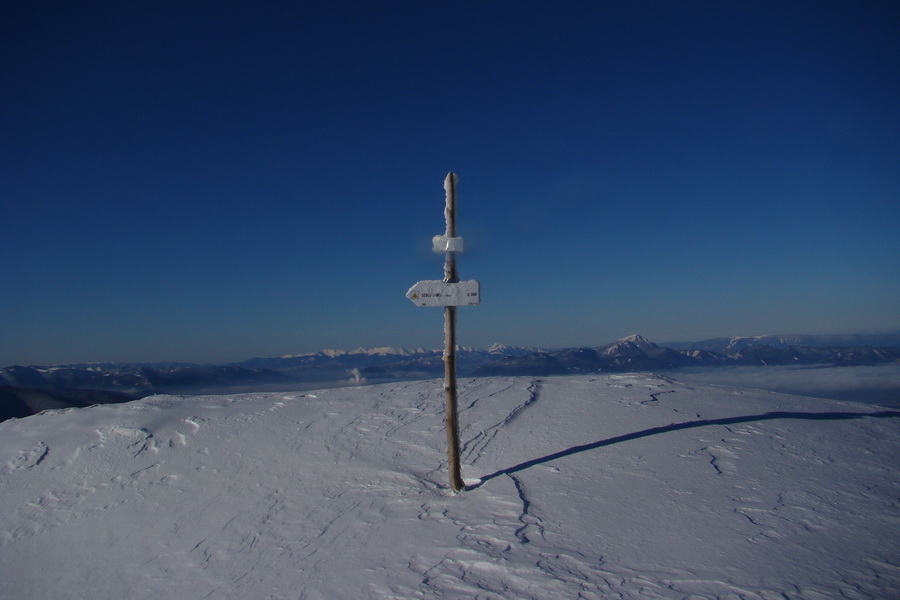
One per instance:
(621,486)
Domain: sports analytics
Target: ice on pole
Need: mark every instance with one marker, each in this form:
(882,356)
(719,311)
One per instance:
(445,293)
(449,293)
(442,243)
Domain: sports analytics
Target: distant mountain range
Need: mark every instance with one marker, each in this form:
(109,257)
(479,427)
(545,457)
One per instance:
(635,353)
(725,345)
(28,390)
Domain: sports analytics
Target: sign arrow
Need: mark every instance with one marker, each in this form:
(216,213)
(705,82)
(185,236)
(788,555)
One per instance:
(440,293)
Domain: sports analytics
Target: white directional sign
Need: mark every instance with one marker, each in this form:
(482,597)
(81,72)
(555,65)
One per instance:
(439,293)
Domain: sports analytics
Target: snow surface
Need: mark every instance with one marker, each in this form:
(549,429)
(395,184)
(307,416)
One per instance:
(619,486)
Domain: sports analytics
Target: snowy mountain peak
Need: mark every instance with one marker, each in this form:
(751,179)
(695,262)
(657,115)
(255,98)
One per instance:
(630,343)
(382,351)
(636,339)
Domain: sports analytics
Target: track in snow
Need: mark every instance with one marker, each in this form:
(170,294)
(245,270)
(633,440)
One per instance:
(627,486)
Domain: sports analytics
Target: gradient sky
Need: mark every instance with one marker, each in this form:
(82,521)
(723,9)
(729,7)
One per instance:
(213,181)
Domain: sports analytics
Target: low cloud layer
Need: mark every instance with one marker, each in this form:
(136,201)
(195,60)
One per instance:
(871,385)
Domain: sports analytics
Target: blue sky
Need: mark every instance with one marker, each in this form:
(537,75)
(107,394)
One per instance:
(213,181)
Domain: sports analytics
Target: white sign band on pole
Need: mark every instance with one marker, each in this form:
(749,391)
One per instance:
(442,243)
(441,293)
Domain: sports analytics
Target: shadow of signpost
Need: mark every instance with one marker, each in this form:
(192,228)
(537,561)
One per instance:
(826,416)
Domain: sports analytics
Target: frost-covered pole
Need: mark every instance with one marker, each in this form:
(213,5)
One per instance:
(449,293)
(450,276)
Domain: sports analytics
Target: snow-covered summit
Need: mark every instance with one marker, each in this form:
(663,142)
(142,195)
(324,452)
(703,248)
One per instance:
(638,340)
(629,345)
(599,486)
(387,351)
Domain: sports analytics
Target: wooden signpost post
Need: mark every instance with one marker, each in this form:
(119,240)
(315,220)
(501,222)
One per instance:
(449,293)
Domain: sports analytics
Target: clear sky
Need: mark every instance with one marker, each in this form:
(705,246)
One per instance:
(213,181)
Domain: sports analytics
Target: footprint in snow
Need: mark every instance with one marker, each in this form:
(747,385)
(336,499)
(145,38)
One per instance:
(28,459)
(722,460)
